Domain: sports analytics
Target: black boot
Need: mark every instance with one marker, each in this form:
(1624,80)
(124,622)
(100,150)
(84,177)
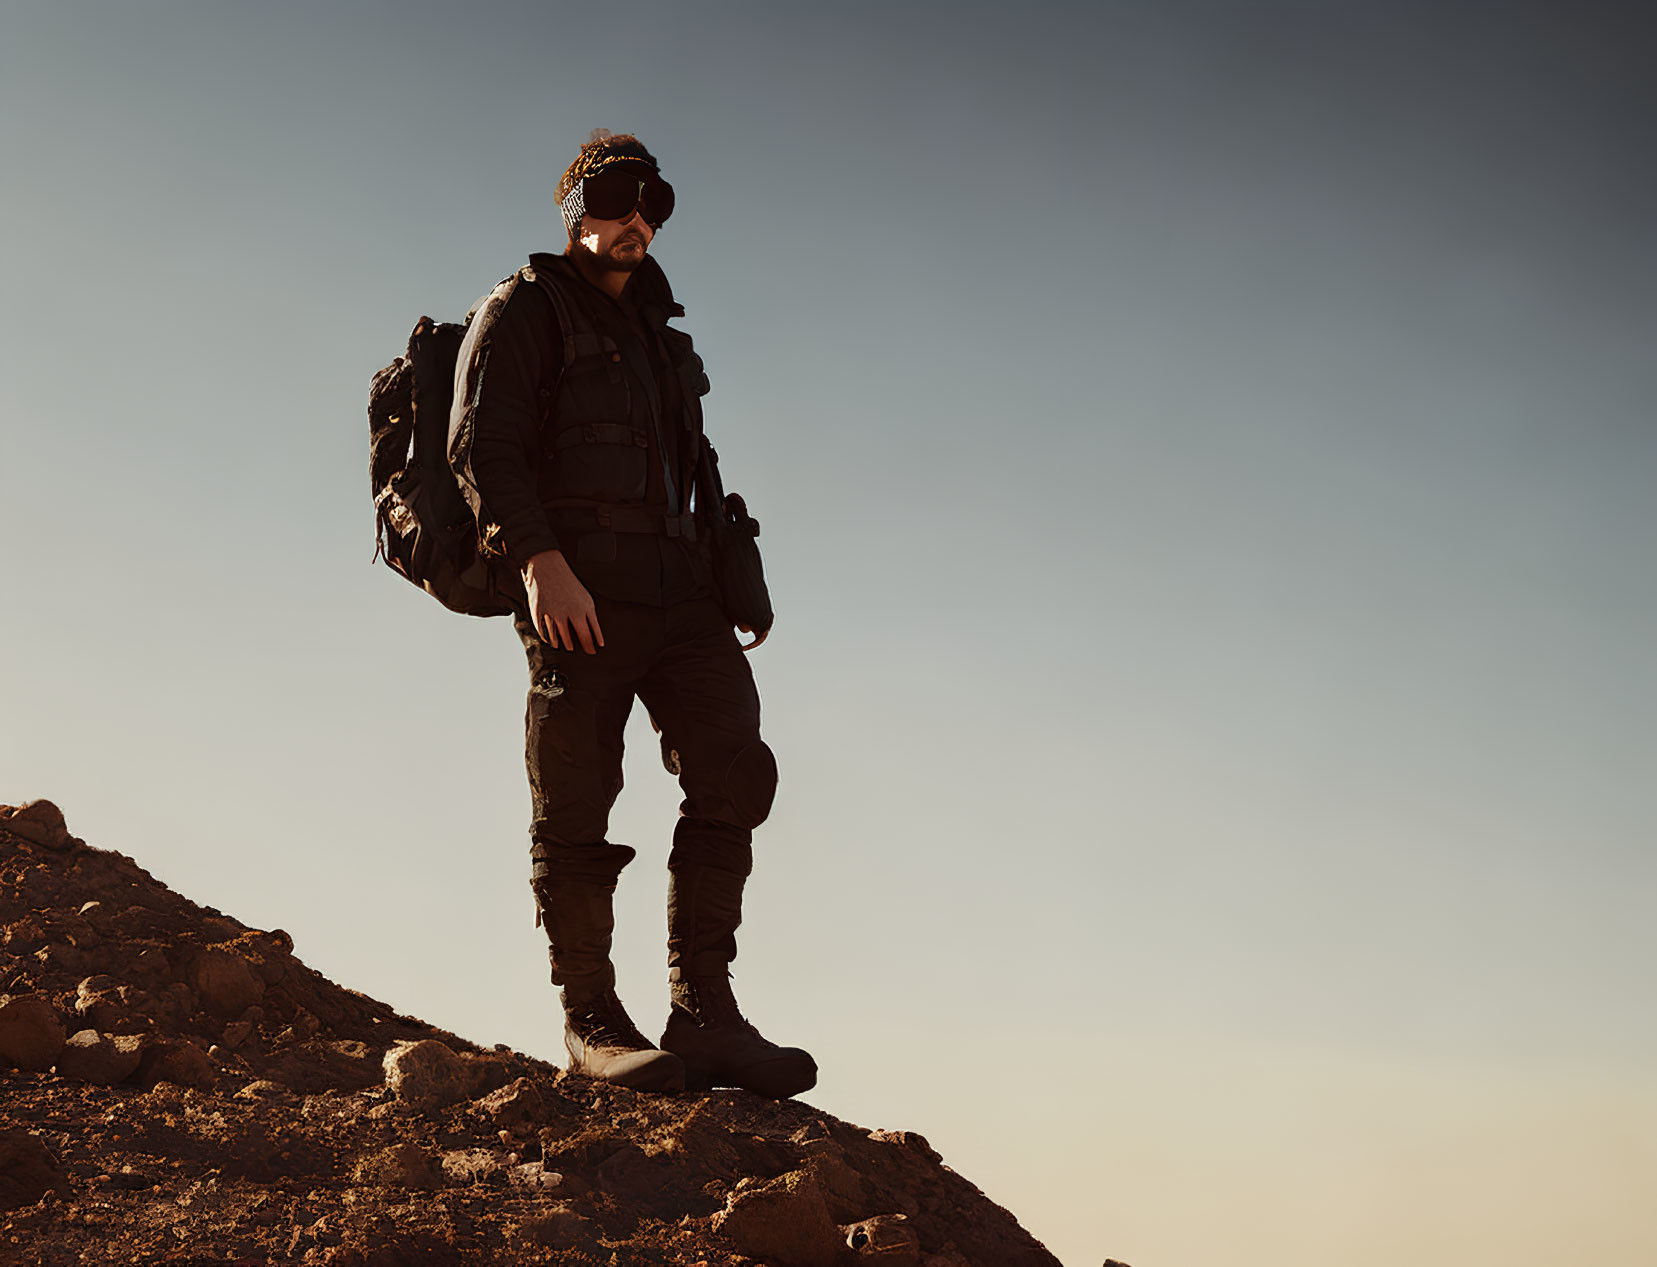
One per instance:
(705,1028)
(721,1048)
(574,889)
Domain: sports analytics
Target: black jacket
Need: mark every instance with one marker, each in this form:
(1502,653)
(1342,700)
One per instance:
(548,427)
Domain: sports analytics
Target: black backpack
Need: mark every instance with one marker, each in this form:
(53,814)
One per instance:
(426,530)
(423,527)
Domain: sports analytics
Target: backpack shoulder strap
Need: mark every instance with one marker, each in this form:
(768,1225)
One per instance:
(579,335)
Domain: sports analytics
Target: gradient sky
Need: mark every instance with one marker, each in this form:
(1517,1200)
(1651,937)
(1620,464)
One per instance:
(1206,458)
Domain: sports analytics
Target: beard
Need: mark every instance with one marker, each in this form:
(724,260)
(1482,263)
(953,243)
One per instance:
(623,255)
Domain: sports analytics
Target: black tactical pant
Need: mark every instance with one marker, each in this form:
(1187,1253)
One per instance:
(684,663)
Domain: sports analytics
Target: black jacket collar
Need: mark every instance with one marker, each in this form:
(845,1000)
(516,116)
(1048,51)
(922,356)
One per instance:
(648,289)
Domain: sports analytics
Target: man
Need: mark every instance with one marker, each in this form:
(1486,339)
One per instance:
(578,427)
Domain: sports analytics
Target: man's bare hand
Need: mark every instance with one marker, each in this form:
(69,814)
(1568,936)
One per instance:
(560,605)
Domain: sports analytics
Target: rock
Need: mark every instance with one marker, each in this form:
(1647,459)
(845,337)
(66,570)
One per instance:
(28,1171)
(558,1227)
(104,1003)
(225,982)
(164,1095)
(150,968)
(73,929)
(841,1185)
(103,1059)
(62,959)
(269,953)
(784,1219)
(353,1050)
(535,1176)
(236,1033)
(886,1238)
(31,1035)
(912,1141)
(41,823)
(177,1001)
(179,1062)
(264,1089)
(515,1105)
(428,1075)
(400,1166)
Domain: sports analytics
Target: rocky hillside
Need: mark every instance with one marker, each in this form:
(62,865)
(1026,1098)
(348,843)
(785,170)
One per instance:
(180,1088)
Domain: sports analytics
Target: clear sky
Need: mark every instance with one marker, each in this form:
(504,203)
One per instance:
(1206,457)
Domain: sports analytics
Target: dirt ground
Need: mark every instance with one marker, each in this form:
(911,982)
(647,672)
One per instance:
(180,1088)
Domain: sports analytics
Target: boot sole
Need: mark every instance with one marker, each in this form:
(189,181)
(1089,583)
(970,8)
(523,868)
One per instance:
(641,1079)
(776,1080)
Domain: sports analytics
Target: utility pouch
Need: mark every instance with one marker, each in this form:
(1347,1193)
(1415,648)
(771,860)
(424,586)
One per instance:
(738,572)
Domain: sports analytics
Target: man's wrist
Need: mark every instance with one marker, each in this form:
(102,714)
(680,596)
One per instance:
(543,558)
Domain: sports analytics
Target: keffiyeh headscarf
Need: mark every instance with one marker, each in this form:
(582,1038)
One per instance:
(601,150)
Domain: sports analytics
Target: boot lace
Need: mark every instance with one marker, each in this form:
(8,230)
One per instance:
(603,1022)
(710,1001)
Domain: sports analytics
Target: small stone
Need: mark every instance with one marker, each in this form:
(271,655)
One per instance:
(236,1033)
(165,1095)
(101,1059)
(126,1179)
(535,1176)
(225,982)
(92,987)
(31,1035)
(514,1105)
(913,1141)
(886,1238)
(400,1166)
(428,1074)
(264,1089)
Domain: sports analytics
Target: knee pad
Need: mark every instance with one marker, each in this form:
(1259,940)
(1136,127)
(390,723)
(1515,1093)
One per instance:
(751,784)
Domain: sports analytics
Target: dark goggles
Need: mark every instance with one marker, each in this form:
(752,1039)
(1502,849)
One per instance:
(615,191)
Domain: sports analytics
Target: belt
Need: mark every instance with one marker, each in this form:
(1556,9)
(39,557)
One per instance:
(601,518)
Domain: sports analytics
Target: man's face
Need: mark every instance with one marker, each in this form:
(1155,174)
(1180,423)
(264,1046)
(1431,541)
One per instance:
(618,245)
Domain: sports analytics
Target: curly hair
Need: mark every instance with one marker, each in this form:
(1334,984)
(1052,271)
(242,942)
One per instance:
(601,149)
